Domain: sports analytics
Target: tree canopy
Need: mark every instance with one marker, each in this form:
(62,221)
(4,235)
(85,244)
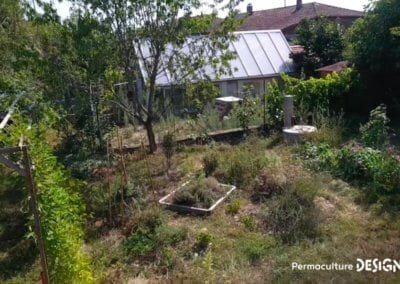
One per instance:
(323,44)
(374,47)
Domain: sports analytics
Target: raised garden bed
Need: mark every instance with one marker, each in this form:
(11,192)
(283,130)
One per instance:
(190,198)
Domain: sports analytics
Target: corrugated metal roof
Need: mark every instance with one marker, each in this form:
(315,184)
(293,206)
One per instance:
(258,54)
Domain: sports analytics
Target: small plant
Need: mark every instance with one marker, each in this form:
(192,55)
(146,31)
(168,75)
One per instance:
(245,112)
(168,146)
(203,241)
(268,182)
(375,133)
(254,247)
(292,215)
(233,207)
(202,192)
(210,163)
(249,222)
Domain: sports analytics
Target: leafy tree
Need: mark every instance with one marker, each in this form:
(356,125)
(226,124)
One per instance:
(152,34)
(323,44)
(374,47)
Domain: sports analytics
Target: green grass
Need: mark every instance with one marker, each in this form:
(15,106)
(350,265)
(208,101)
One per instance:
(347,229)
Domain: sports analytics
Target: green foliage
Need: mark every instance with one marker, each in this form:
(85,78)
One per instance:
(233,207)
(374,49)
(200,193)
(61,206)
(199,95)
(268,182)
(245,111)
(254,247)
(249,222)
(210,163)
(375,133)
(151,235)
(292,215)
(323,44)
(274,105)
(330,130)
(203,241)
(241,165)
(377,171)
(168,146)
(322,95)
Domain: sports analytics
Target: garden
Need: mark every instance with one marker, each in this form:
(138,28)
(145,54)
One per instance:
(194,197)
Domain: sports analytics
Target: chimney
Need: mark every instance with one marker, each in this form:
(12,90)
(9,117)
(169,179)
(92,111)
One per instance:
(299,5)
(249,9)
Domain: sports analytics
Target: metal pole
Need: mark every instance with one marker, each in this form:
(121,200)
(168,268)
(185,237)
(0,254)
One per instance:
(36,216)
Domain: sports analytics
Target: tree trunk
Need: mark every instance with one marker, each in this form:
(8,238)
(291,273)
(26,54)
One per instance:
(150,135)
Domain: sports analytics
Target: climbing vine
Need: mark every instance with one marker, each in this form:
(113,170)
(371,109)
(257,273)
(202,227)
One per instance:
(60,205)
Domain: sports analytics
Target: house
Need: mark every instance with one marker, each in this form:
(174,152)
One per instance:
(260,57)
(288,18)
(337,67)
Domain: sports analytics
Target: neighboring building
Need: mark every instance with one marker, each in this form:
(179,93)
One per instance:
(337,67)
(260,57)
(288,18)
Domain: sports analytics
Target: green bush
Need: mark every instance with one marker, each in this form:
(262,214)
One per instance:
(322,95)
(378,172)
(210,163)
(61,206)
(268,182)
(254,247)
(150,235)
(201,192)
(239,167)
(168,146)
(375,133)
(249,222)
(203,241)
(274,105)
(292,215)
(245,111)
(233,207)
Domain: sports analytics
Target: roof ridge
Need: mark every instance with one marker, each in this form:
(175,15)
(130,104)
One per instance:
(332,6)
(305,4)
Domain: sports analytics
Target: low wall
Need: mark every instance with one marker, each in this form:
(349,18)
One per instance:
(229,135)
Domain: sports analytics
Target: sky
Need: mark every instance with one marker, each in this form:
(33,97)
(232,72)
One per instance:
(63,8)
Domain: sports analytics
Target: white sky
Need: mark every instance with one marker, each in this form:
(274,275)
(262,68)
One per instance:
(63,8)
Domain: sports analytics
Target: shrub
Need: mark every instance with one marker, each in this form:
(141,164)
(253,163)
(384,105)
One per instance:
(246,111)
(203,241)
(140,243)
(330,130)
(201,193)
(268,182)
(249,222)
(321,95)
(60,203)
(150,235)
(184,197)
(375,133)
(233,207)
(210,163)
(273,104)
(292,214)
(254,247)
(168,146)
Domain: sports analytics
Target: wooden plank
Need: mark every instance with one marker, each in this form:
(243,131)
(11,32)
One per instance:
(10,150)
(12,165)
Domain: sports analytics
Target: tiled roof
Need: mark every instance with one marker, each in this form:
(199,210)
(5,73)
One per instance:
(337,67)
(281,18)
(258,54)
